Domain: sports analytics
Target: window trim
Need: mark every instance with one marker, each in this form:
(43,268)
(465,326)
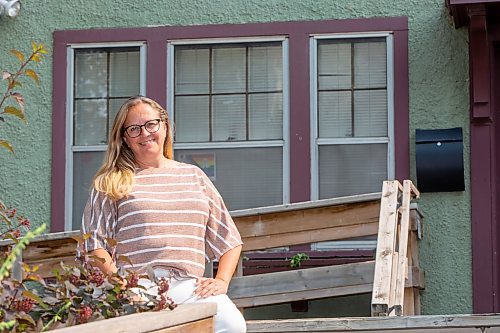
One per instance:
(315,140)
(298,33)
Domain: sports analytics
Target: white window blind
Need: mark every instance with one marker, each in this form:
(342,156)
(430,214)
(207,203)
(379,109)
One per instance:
(228,105)
(352,116)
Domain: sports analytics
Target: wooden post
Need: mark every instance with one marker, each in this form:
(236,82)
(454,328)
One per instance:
(381,302)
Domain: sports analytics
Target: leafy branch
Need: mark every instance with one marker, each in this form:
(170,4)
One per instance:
(13,82)
(17,251)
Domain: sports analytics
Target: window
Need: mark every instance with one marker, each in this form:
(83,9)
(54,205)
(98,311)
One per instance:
(102,79)
(228,102)
(352,115)
(272,112)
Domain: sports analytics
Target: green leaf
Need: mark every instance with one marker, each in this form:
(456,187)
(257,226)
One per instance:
(7,146)
(36,298)
(111,241)
(34,46)
(32,74)
(15,112)
(7,325)
(18,54)
(9,236)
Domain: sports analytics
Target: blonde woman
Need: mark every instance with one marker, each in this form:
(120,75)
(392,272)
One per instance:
(162,213)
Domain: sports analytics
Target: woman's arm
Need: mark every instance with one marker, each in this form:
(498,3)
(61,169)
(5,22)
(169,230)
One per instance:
(219,285)
(103,261)
(228,263)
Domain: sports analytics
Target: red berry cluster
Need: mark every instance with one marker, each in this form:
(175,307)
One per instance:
(15,233)
(163,286)
(11,213)
(132,280)
(25,304)
(83,315)
(95,275)
(73,279)
(25,223)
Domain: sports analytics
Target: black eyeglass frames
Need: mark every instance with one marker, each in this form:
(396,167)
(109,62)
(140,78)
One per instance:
(152,126)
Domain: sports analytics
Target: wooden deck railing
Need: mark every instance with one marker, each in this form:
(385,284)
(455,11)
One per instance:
(394,277)
(337,219)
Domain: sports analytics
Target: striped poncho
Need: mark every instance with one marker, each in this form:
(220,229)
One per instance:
(174,218)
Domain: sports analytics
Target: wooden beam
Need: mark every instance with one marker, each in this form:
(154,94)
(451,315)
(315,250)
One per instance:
(413,324)
(155,321)
(381,297)
(308,219)
(310,283)
(309,236)
(402,267)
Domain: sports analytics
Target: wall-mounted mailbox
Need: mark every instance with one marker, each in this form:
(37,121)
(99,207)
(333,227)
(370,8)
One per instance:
(440,163)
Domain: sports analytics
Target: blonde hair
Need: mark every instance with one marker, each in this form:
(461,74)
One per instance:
(115,177)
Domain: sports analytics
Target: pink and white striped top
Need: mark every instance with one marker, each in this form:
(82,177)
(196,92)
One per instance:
(173,218)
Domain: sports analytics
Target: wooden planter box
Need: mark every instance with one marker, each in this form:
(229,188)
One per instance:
(186,318)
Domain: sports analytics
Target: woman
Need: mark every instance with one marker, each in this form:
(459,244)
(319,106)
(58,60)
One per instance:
(162,214)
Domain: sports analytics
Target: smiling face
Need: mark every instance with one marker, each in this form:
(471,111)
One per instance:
(147,147)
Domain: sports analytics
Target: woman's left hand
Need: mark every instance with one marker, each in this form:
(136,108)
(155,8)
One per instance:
(206,287)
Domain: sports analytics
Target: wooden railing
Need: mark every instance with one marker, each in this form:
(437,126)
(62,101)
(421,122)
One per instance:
(394,277)
(333,219)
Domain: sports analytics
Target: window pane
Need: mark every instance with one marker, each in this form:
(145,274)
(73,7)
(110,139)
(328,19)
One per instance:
(191,71)
(91,118)
(265,116)
(91,74)
(124,74)
(265,68)
(370,64)
(85,165)
(228,69)
(229,118)
(114,107)
(335,116)
(245,177)
(370,110)
(191,119)
(334,65)
(351,169)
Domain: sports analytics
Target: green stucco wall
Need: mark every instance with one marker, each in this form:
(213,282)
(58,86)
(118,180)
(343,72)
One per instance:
(438,99)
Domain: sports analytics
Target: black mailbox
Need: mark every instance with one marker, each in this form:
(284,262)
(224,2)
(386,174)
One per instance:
(440,162)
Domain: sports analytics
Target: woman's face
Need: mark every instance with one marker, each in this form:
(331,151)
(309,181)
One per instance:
(145,145)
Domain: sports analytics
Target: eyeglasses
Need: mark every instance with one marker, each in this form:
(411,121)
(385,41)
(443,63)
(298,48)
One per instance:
(152,126)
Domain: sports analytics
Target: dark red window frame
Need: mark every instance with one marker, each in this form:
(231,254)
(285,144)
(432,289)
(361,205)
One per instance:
(298,34)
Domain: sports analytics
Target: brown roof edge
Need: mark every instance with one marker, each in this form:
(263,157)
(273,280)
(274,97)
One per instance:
(458,9)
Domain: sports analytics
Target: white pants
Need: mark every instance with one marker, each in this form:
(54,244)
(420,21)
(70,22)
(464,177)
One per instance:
(228,318)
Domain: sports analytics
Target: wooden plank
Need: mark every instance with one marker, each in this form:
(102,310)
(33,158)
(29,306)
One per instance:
(308,219)
(304,237)
(385,248)
(281,287)
(301,280)
(47,266)
(50,249)
(409,302)
(203,325)
(305,205)
(402,267)
(249,302)
(147,321)
(413,324)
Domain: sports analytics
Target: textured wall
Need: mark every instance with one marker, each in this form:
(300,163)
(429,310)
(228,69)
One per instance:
(438,99)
